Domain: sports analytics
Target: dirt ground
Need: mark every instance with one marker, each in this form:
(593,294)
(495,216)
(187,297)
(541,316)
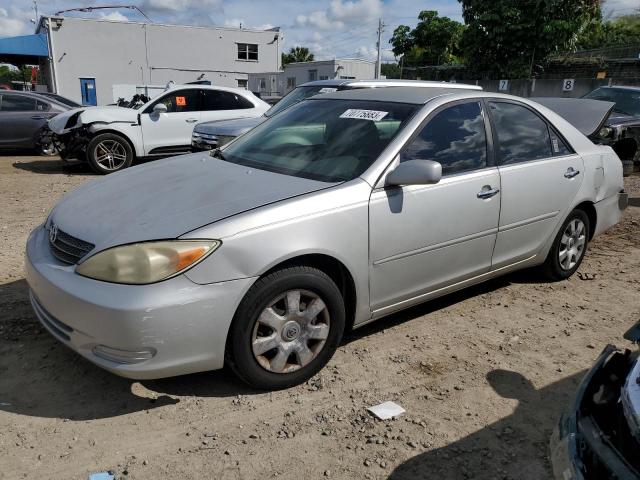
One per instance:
(484,375)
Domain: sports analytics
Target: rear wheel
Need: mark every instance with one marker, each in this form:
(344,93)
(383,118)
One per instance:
(286,328)
(108,153)
(569,247)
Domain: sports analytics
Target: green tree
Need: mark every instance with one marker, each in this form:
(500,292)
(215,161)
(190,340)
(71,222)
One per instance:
(297,54)
(505,38)
(390,70)
(434,41)
(605,33)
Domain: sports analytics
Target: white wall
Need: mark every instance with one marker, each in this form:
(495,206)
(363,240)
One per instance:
(137,53)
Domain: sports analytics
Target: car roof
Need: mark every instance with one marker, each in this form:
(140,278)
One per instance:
(417,96)
(379,82)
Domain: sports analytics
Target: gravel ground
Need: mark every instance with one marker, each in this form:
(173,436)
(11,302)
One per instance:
(483,374)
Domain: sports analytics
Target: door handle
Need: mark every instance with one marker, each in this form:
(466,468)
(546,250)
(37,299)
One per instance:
(488,192)
(191,120)
(37,117)
(571,172)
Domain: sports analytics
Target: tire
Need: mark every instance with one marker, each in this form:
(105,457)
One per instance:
(255,324)
(556,268)
(108,153)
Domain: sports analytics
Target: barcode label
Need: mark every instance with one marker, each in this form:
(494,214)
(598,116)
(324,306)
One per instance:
(372,115)
(327,90)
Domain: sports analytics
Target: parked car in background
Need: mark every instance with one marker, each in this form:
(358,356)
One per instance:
(209,135)
(342,209)
(23,120)
(622,129)
(60,99)
(599,438)
(111,137)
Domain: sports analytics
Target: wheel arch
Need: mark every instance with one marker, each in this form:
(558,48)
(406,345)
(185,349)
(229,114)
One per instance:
(95,130)
(335,269)
(588,208)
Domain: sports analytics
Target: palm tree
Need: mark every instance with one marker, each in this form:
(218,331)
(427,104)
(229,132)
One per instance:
(297,54)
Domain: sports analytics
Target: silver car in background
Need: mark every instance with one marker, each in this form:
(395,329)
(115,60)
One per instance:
(210,135)
(344,208)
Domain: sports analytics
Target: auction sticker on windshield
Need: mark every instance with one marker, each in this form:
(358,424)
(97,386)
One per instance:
(327,90)
(373,115)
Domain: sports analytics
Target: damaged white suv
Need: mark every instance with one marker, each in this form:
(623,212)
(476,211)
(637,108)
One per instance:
(110,137)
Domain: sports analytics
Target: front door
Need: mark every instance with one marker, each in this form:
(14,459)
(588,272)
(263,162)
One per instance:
(423,238)
(540,175)
(88,91)
(170,132)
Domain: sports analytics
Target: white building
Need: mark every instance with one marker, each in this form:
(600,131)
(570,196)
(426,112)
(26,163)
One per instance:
(87,57)
(274,83)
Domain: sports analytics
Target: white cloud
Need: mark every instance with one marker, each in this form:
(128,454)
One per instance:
(355,11)
(318,19)
(10,25)
(114,16)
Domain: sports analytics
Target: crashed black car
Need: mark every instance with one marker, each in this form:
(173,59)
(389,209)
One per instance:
(620,130)
(600,436)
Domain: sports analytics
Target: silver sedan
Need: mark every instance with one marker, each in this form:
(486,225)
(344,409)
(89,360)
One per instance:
(345,208)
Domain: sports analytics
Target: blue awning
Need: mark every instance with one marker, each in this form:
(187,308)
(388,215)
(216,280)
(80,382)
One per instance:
(24,49)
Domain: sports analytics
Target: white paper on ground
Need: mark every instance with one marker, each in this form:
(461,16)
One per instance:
(386,410)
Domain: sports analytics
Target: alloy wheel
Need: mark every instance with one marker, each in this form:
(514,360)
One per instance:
(291,331)
(110,154)
(572,244)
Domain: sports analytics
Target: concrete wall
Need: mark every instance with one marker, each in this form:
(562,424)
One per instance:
(552,87)
(137,53)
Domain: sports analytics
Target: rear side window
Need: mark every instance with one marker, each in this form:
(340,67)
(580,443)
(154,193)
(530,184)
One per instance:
(219,100)
(558,145)
(522,135)
(17,103)
(180,101)
(455,137)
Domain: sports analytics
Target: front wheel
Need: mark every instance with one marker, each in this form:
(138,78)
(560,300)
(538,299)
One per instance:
(569,247)
(108,153)
(286,328)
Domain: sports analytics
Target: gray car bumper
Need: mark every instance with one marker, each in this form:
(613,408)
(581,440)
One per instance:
(165,329)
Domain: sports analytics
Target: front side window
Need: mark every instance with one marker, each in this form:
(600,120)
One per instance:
(17,103)
(455,138)
(220,100)
(325,140)
(42,106)
(522,135)
(179,102)
(247,51)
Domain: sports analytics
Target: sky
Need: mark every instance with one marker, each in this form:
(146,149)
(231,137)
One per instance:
(330,28)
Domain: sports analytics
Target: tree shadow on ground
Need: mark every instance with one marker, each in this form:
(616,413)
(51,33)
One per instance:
(515,447)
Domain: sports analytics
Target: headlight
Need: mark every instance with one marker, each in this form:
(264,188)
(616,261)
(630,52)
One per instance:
(605,132)
(148,262)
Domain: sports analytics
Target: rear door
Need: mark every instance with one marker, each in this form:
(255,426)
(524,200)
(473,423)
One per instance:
(20,119)
(223,105)
(170,132)
(540,176)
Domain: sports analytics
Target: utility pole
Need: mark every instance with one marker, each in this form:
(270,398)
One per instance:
(379,45)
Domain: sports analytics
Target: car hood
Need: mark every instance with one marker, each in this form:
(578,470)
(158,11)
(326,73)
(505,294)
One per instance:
(229,127)
(587,115)
(87,115)
(168,198)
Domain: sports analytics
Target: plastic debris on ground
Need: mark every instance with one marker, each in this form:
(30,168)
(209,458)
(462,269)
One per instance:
(102,476)
(386,410)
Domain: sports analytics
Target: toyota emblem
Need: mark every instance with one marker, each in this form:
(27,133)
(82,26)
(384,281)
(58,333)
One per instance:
(53,233)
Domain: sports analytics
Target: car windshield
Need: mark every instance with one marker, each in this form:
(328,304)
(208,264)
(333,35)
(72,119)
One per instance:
(296,96)
(325,140)
(627,101)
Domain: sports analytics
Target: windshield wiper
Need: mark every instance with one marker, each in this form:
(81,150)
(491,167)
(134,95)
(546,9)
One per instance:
(217,153)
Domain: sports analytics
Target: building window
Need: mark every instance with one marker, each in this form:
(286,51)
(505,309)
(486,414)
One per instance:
(291,83)
(344,77)
(247,51)
(242,83)
(263,84)
(324,77)
(313,75)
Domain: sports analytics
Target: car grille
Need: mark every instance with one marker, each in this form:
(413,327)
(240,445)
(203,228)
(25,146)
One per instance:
(67,248)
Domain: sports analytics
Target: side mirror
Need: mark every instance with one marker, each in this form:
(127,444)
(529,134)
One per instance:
(159,108)
(415,172)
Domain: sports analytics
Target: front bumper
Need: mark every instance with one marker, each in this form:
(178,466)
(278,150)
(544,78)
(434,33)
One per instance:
(165,329)
(579,449)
